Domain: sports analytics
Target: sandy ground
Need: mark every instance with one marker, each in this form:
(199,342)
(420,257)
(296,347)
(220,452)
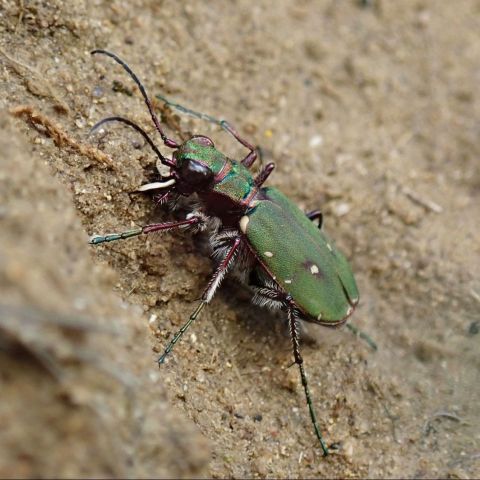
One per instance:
(371,114)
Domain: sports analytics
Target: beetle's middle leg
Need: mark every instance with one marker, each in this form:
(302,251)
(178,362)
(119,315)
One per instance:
(208,293)
(254,151)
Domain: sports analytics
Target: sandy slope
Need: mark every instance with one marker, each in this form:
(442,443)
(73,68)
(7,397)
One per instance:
(371,114)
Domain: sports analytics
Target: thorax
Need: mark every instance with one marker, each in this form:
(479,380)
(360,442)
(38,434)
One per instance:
(231,194)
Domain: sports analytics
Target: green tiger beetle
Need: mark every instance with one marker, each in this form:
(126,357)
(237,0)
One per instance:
(282,252)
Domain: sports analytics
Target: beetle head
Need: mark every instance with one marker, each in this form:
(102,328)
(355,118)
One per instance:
(193,165)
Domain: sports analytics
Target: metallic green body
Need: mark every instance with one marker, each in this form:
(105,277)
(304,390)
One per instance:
(237,184)
(301,259)
(233,180)
(205,154)
(293,251)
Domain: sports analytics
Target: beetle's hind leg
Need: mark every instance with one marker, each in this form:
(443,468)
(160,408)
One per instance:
(317,215)
(271,296)
(254,151)
(267,293)
(364,336)
(293,324)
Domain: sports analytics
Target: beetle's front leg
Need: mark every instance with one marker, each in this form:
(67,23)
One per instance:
(254,151)
(193,220)
(250,158)
(264,174)
(208,293)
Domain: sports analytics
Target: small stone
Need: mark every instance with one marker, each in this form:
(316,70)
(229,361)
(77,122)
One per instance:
(316,141)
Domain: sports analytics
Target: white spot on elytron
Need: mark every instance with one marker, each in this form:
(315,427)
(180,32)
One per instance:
(319,316)
(243,223)
(349,311)
(314,269)
(288,281)
(268,254)
(329,246)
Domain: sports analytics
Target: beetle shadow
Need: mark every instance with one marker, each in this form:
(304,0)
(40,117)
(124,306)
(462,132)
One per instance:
(261,322)
(258,320)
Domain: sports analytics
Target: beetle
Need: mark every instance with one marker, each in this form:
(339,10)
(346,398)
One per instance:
(284,256)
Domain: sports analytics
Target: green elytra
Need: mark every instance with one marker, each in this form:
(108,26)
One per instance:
(301,259)
(296,267)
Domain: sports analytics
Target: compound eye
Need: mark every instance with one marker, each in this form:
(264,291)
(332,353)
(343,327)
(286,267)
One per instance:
(195,173)
(202,140)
